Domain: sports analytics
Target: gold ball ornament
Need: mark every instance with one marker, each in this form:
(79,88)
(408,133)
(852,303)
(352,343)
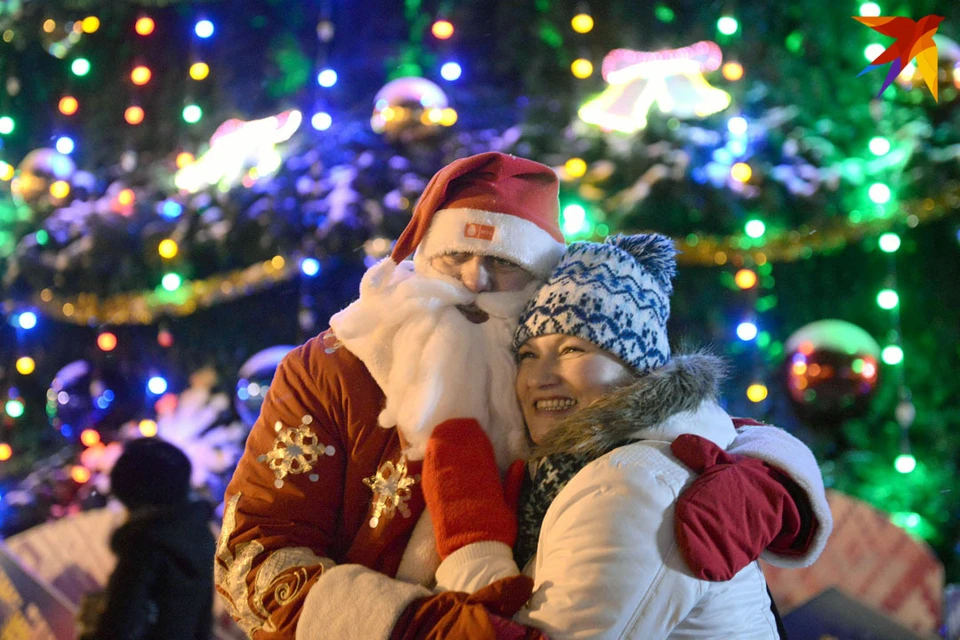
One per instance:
(411,109)
(36,174)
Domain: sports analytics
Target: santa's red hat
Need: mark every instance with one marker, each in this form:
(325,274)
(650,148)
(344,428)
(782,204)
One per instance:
(490,204)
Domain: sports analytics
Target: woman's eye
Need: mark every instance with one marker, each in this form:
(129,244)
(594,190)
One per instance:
(571,350)
(524,355)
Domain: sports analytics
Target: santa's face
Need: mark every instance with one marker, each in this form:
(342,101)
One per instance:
(438,344)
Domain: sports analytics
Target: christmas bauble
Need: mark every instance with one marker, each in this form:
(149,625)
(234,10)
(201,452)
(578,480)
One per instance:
(410,109)
(36,174)
(82,397)
(254,380)
(832,371)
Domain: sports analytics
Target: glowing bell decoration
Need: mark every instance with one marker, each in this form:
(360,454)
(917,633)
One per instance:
(254,380)
(832,370)
(411,109)
(38,170)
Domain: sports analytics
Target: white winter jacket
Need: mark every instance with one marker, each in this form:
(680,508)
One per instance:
(607,562)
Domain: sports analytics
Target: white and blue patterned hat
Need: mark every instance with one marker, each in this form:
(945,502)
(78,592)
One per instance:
(614,294)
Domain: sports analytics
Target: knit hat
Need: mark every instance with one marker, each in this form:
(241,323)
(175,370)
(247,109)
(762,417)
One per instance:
(150,472)
(490,204)
(615,295)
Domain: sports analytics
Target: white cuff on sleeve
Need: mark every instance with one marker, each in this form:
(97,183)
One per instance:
(782,450)
(475,566)
(351,601)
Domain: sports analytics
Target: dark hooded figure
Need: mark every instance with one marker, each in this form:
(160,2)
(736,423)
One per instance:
(162,586)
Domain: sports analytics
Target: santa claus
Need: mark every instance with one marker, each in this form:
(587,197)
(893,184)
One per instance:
(325,528)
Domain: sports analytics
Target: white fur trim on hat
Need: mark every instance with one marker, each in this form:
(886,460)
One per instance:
(487,233)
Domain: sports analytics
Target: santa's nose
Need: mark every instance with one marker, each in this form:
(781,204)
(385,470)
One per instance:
(475,275)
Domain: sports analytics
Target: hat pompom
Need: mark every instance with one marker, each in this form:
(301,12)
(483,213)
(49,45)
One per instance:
(653,252)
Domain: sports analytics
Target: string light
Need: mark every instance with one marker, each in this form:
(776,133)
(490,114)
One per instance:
(310,266)
(757,392)
(327,78)
(574,219)
(575,167)
(888,299)
(737,125)
(80,67)
(144,26)
(65,145)
(192,113)
(870,9)
(6,452)
(157,385)
(107,341)
(872,51)
(450,71)
(133,115)
(746,278)
(80,474)
(755,228)
(171,281)
(321,121)
(148,428)
(140,75)
(746,331)
(203,29)
(581,68)
(889,242)
(68,105)
(14,408)
(879,193)
(126,197)
(90,437)
(582,23)
(892,355)
(168,248)
(728,25)
(442,29)
(199,70)
(184,158)
(25,365)
(732,71)
(7,125)
(879,146)
(905,463)
(90,24)
(741,172)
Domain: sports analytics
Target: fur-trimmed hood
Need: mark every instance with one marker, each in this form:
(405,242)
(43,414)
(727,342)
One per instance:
(661,405)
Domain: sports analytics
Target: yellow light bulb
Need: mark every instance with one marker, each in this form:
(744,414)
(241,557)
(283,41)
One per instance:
(25,365)
(575,167)
(60,189)
(581,68)
(582,23)
(168,248)
(757,392)
(199,70)
(741,172)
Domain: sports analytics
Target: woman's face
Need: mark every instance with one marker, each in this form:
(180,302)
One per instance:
(559,374)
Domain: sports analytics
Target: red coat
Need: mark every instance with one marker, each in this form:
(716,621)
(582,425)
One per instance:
(302,499)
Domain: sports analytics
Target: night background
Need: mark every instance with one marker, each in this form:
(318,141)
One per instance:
(145,268)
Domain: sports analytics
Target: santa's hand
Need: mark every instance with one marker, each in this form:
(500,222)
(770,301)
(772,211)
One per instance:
(484,615)
(733,511)
(462,488)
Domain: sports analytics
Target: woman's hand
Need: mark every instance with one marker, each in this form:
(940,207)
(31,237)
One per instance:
(461,484)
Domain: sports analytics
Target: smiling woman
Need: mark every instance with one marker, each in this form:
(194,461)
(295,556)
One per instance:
(612,413)
(558,374)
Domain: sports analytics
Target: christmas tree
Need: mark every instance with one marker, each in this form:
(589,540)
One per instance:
(188,184)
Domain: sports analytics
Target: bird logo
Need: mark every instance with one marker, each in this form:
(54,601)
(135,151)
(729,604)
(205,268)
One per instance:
(914,39)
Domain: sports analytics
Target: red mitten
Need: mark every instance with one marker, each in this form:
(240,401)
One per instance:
(735,509)
(462,488)
(454,614)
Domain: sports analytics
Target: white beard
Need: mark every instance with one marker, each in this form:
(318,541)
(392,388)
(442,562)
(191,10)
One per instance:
(431,362)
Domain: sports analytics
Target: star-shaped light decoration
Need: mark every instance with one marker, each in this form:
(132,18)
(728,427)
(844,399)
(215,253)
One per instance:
(672,79)
(296,450)
(391,487)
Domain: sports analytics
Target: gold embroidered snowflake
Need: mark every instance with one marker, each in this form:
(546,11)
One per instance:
(391,486)
(295,450)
